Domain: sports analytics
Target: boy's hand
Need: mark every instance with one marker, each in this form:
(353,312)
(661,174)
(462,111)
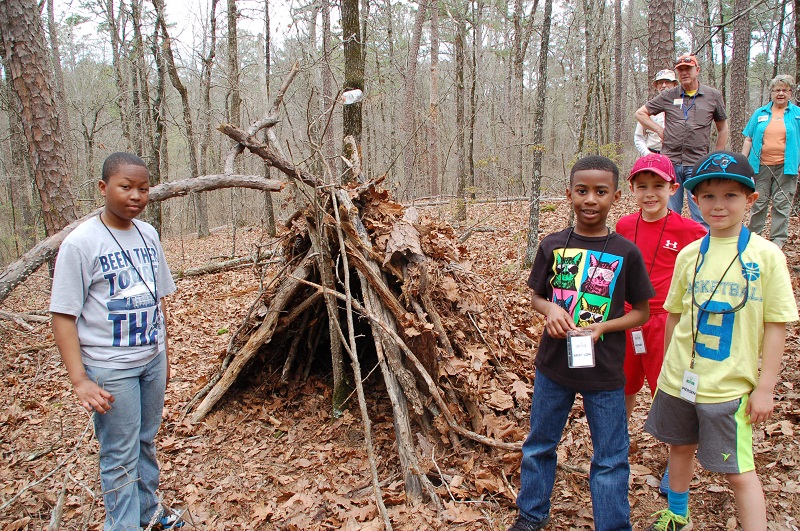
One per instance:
(597,331)
(760,405)
(558,322)
(93,397)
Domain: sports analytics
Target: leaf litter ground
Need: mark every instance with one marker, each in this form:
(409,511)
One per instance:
(272,457)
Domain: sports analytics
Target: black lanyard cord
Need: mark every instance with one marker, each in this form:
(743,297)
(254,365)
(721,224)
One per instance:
(127,259)
(658,245)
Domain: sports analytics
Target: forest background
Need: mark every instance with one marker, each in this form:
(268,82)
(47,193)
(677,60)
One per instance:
(462,99)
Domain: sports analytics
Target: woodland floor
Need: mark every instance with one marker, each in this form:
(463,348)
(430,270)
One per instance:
(272,457)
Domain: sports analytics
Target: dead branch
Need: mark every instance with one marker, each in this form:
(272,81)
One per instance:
(16,272)
(216,267)
(23,319)
(262,336)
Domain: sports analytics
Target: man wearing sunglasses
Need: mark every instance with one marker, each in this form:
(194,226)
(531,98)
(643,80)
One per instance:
(689,110)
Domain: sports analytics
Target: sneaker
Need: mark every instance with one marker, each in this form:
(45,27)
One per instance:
(669,521)
(663,488)
(523,524)
(171,520)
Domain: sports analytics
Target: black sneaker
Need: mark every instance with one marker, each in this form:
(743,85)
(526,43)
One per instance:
(523,524)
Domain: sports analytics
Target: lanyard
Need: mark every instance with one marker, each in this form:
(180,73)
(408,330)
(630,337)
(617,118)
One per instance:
(127,259)
(687,109)
(658,244)
(741,245)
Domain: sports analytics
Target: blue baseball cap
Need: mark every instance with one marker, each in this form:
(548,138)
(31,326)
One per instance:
(722,165)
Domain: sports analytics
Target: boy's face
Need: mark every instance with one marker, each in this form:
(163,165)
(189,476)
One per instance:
(592,193)
(723,204)
(127,192)
(652,193)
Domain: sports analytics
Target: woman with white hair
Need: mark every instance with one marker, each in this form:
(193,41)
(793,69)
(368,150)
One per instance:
(772,146)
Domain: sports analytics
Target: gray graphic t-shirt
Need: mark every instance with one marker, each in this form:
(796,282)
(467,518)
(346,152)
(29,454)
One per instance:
(120,324)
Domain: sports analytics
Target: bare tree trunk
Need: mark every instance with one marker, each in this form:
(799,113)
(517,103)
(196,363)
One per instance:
(328,146)
(461,204)
(234,105)
(22,218)
(200,200)
(477,38)
(409,90)
(353,79)
(796,47)
(741,58)
(538,137)
(191,140)
(25,49)
(661,43)
(55,57)
(269,207)
(723,39)
(113,25)
(710,70)
(779,40)
(433,110)
(619,92)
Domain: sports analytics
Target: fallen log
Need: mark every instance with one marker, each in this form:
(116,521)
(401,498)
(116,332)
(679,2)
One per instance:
(16,272)
(217,267)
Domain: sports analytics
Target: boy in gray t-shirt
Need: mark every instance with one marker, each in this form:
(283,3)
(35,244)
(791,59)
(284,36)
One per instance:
(109,323)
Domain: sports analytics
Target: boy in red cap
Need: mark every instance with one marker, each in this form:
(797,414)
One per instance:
(660,234)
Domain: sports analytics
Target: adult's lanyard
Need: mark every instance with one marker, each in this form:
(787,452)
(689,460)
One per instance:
(687,109)
(658,244)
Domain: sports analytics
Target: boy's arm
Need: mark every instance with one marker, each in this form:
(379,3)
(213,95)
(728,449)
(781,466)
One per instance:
(760,404)
(669,328)
(639,314)
(166,336)
(90,395)
(557,321)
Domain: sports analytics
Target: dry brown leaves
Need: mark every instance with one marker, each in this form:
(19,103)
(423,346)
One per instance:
(273,458)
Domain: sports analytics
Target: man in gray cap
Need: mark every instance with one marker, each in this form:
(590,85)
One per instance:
(647,140)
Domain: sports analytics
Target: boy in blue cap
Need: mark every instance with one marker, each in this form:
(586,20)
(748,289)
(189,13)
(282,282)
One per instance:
(729,302)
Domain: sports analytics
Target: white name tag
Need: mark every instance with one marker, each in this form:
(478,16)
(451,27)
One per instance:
(637,336)
(689,386)
(763,118)
(677,102)
(580,349)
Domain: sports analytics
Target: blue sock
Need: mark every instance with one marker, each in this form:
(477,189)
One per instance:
(679,502)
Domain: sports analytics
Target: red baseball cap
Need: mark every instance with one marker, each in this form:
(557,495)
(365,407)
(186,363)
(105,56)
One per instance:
(655,163)
(686,60)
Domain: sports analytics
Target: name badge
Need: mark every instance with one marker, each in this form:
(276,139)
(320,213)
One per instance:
(689,386)
(763,118)
(580,349)
(677,102)
(637,337)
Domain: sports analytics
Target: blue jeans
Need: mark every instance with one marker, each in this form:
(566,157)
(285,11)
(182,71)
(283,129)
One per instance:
(684,173)
(128,467)
(608,475)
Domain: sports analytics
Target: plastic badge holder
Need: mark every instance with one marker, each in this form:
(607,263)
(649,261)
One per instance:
(580,348)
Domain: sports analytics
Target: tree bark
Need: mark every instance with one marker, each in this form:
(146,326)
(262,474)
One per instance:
(201,202)
(619,92)
(269,207)
(409,91)
(661,41)
(353,79)
(461,204)
(538,137)
(739,64)
(779,39)
(32,79)
(433,107)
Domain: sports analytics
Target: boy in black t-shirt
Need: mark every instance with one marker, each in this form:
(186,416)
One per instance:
(581,278)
